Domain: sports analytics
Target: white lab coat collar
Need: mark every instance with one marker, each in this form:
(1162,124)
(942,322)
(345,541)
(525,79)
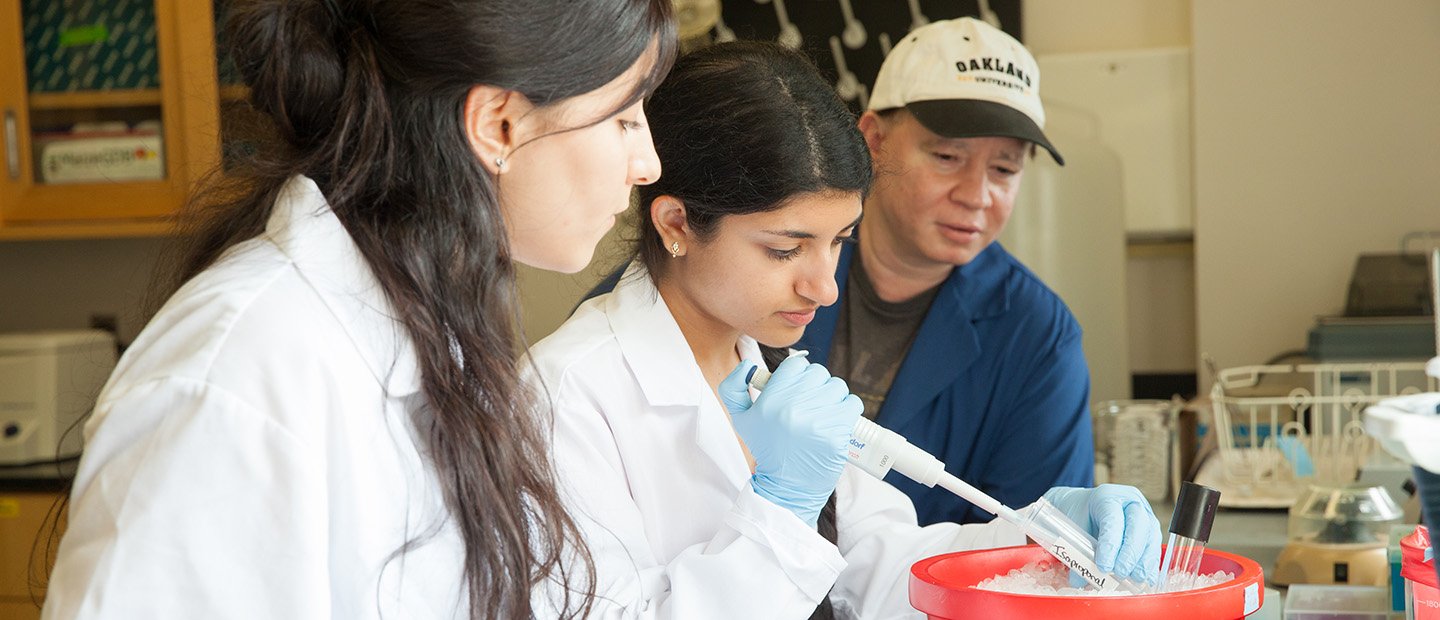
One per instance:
(306,230)
(665,368)
(653,345)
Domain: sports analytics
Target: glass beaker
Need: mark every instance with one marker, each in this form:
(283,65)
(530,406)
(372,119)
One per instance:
(1133,444)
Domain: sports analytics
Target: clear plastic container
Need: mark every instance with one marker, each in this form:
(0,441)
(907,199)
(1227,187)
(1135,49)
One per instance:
(1316,602)
(1347,514)
(1132,444)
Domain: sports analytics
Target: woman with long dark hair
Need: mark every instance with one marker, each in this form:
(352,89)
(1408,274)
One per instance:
(325,420)
(698,498)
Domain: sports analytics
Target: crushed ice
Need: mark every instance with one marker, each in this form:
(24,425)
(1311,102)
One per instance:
(1048,577)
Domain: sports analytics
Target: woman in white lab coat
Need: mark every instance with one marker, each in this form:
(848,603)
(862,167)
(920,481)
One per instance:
(765,174)
(326,420)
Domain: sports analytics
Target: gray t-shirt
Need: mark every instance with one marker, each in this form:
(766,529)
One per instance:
(872,337)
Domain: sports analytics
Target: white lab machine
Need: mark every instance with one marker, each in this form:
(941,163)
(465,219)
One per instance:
(48,383)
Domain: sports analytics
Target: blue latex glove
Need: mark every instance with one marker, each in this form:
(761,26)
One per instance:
(797,430)
(1125,528)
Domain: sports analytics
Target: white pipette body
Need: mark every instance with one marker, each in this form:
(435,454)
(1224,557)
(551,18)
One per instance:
(877,450)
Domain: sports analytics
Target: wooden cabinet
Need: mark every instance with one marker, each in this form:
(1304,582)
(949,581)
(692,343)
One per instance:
(25,518)
(110,114)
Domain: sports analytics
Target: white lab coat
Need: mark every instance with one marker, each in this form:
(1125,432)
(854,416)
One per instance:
(253,455)
(658,481)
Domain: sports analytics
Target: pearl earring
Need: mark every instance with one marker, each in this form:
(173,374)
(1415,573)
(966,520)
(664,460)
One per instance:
(500,163)
(675,250)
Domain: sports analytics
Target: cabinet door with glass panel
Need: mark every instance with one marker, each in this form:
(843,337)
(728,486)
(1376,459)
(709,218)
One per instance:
(110,113)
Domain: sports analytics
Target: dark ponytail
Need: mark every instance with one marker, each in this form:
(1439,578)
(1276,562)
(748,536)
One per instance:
(365,97)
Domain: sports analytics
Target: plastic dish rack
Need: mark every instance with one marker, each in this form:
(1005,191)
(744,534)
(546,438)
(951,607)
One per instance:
(1272,446)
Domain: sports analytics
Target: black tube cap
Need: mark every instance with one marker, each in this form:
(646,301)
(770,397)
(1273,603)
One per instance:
(1194,511)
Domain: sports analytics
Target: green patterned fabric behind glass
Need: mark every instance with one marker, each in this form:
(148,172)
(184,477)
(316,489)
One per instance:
(225,65)
(90,44)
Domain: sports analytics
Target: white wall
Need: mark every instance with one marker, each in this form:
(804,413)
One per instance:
(1161,331)
(1069,228)
(547,297)
(1317,137)
(59,284)
(1057,26)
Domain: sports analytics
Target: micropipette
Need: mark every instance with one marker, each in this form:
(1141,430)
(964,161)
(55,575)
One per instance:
(877,450)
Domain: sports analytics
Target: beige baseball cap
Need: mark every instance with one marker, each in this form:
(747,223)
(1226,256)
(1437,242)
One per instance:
(963,78)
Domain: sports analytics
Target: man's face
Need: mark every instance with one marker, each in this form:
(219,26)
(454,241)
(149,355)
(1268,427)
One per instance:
(941,201)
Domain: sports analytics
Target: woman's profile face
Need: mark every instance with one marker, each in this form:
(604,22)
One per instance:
(560,192)
(765,274)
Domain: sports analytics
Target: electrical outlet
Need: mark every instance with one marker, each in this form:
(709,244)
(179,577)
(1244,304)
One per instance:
(106,322)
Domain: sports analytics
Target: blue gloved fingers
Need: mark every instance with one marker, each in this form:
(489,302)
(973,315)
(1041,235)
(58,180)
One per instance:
(1150,560)
(812,377)
(839,422)
(838,383)
(831,392)
(734,389)
(841,406)
(848,412)
(798,429)
(788,370)
(1127,535)
(1149,569)
(1078,582)
(1140,528)
(1109,519)
(806,509)
(1068,500)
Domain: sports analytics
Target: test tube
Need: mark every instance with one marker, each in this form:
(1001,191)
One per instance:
(1074,547)
(1189,532)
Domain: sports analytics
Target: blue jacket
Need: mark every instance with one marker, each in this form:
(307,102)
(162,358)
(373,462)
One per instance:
(995,386)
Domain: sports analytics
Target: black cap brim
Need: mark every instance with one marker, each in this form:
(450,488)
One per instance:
(974,118)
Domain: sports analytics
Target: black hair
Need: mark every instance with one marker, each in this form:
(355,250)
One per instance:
(366,97)
(741,127)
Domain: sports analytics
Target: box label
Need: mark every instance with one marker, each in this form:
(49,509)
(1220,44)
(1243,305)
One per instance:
(103,159)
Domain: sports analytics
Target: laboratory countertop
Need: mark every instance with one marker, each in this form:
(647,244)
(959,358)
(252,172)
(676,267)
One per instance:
(42,477)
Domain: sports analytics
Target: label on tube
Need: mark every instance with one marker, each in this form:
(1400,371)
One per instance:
(1082,566)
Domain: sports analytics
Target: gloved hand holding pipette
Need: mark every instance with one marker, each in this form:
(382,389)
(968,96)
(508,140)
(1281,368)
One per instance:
(797,431)
(1126,531)
(1112,524)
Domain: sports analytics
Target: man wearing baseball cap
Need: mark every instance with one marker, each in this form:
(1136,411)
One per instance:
(945,336)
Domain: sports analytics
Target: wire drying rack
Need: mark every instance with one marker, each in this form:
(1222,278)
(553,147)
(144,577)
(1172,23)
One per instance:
(1280,428)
